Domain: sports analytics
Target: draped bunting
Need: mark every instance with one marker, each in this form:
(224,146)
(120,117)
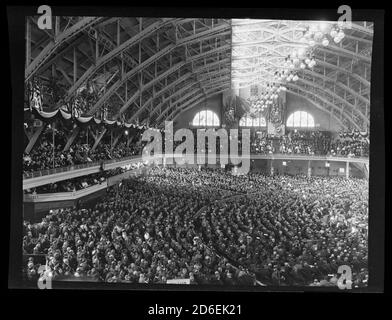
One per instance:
(355,134)
(82,120)
(65,115)
(47,115)
(234,107)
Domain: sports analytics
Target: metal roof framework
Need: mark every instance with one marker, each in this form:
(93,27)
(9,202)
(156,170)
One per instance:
(152,69)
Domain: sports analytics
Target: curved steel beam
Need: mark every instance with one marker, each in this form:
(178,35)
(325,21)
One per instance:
(182,79)
(196,89)
(148,62)
(334,95)
(58,41)
(340,84)
(193,97)
(180,109)
(344,53)
(311,93)
(166,110)
(311,72)
(319,107)
(347,72)
(164,75)
(155,57)
(140,67)
(118,50)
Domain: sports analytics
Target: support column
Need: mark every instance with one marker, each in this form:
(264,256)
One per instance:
(71,138)
(366,170)
(347,169)
(98,139)
(116,140)
(130,139)
(96,46)
(57,27)
(272,167)
(75,66)
(28,134)
(54,144)
(34,138)
(309,169)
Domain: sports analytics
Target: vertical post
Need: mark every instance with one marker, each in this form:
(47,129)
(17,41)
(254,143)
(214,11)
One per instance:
(71,138)
(98,139)
(272,167)
(34,138)
(53,70)
(57,26)
(111,139)
(122,65)
(347,169)
(96,46)
(140,89)
(309,169)
(87,136)
(118,32)
(75,69)
(53,144)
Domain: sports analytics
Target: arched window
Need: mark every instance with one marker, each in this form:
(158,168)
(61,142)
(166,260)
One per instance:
(300,119)
(248,121)
(205,118)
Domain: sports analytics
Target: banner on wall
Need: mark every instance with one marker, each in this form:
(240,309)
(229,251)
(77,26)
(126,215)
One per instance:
(81,120)
(276,129)
(234,107)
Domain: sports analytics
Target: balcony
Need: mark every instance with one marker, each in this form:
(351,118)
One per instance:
(38,178)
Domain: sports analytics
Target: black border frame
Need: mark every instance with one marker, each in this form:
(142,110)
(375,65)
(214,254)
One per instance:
(16,29)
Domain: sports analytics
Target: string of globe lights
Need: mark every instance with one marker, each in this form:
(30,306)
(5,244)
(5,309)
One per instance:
(322,33)
(269,96)
(318,33)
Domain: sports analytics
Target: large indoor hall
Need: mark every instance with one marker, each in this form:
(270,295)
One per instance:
(190,151)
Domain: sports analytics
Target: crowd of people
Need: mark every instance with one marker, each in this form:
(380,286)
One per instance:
(46,156)
(76,184)
(295,230)
(350,148)
(310,143)
(210,227)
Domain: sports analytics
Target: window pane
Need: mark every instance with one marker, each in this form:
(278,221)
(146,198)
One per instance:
(304,119)
(262,122)
(290,121)
(310,121)
(205,118)
(242,122)
(196,119)
(248,121)
(216,120)
(300,119)
(209,118)
(256,122)
(297,119)
(202,121)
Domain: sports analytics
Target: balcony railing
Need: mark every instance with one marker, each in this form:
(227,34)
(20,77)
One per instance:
(104,162)
(45,172)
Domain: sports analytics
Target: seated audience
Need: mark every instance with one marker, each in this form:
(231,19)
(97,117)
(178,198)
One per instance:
(211,227)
